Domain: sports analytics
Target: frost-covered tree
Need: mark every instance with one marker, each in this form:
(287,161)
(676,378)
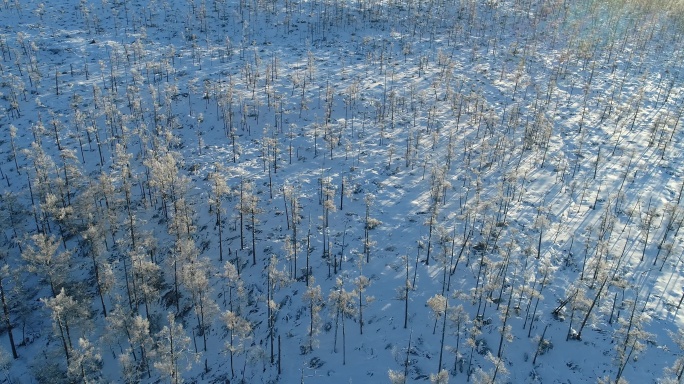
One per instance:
(499,371)
(342,303)
(370,223)
(219,190)
(166,180)
(248,206)
(314,301)
(12,216)
(237,295)
(173,351)
(631,336)
(253,210)
(275,279)
(602,277)
(146,276)
(70,173)
(505,329)
(472,340)
(184,253)
(459,319)
(291,197)
(5,364)
(104,276)
(41,184)
(647,224)
(66,312)
(360,285)
(56,207)
(122,165)
(124,327)
(129,368)
(85,365)
(674,373)
(196,277)
(43,259)
(439,305)
(442,377)
(396,377)
(141,340)
(404,289)
(13,136)
(7,320)
(240,331)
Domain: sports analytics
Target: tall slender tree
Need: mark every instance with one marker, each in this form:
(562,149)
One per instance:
(219,189)
(173,351)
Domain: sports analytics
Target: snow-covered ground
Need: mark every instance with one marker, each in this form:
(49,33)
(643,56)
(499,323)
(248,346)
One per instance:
(517,163)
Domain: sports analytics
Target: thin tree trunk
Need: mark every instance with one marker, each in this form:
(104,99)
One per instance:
(253,238)
(8,322)
(591,307)
(541,340)
(441,343)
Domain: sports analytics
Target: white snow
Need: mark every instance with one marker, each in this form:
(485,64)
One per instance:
(564,115)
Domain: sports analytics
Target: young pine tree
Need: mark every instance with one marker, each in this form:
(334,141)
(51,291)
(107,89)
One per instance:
(219,190)
(314,301)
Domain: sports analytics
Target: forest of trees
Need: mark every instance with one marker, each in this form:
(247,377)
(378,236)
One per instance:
(279,191)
